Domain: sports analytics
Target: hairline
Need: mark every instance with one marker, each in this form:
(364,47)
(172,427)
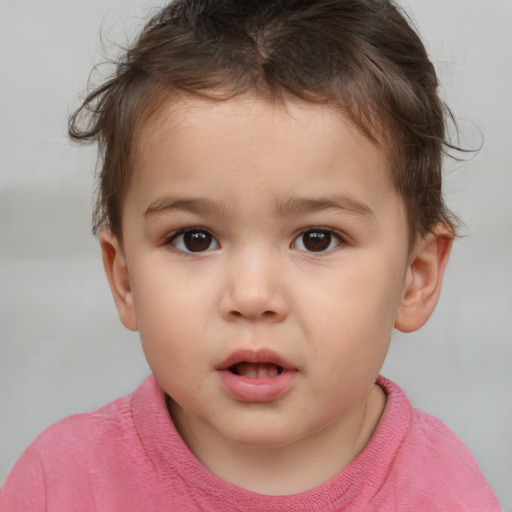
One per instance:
(172,100)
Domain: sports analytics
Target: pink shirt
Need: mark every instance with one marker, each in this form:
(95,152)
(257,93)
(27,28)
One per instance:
(127,456)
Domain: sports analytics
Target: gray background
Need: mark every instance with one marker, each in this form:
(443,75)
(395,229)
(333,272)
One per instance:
(63,349)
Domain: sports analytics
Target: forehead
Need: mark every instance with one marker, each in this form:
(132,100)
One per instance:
(278,150)
(257,119)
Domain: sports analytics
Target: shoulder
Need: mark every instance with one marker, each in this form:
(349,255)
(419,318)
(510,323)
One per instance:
(80,433)
(72,454)
(435,469)
(439,451)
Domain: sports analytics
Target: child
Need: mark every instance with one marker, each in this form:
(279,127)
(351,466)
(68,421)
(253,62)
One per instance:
(269,209)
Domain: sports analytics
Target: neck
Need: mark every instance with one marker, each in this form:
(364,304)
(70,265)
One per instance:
(292,468)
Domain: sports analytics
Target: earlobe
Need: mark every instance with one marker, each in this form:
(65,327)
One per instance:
(424,279)
(116,269)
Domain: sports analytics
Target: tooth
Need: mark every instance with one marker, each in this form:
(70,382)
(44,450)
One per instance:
(256,370)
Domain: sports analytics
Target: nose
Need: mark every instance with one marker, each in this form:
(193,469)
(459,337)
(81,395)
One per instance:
(254,290)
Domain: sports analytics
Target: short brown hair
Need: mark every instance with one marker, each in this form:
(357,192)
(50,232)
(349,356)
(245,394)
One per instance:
(361,56)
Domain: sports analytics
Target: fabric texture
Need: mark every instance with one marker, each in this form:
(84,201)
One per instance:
(127,456)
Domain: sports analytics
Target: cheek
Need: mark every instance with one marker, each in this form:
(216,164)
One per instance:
(171,318)
(364,294)
(350,316)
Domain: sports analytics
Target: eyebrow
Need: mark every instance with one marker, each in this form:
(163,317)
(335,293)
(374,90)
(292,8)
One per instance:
(192,205)
(292,206)
(297,205)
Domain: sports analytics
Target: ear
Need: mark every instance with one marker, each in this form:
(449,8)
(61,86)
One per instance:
(116,268)
(424,278)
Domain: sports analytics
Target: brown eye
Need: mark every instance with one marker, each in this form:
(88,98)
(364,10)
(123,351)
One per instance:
(316,240)
(195,240)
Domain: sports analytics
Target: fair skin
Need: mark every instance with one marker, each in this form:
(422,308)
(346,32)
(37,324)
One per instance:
(265,262)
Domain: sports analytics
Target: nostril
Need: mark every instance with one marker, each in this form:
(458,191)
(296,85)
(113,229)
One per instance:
(237,305)
(265,314)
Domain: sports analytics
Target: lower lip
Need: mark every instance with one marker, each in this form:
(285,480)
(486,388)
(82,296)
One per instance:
(254,389)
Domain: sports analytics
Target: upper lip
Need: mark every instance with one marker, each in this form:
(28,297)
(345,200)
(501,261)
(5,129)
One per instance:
(255,356)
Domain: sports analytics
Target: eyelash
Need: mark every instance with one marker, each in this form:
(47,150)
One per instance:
(331,234)
(171,240)
(206,242)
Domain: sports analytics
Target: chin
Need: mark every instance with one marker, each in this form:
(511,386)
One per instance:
(260,435)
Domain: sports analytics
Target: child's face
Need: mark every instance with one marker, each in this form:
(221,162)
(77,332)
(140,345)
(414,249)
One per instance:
(267,258)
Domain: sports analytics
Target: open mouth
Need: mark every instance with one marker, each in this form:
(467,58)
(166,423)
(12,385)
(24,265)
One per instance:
(256,370)
(257,376)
